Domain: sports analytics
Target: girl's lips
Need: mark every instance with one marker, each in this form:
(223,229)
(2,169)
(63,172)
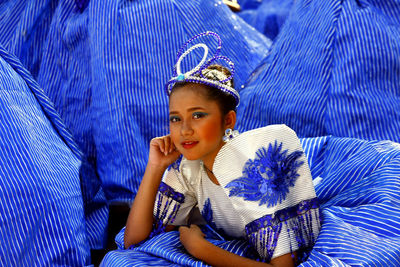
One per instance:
(188,145)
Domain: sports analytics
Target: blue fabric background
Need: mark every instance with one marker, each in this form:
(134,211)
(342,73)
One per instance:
(41,210)
(24,26)
(333,69)
(39,30)
(65,75)
(266,16)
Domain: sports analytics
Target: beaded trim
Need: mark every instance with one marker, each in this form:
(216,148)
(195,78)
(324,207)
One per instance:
(264,232)
(168,191)
(168,203)
(200,73)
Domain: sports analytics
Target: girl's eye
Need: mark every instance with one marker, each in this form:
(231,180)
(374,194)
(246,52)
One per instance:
(198,115)
(174,118)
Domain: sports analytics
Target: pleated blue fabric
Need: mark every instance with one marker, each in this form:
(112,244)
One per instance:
(41,210)
(266,16)
(334,69)
(65,75)
(24,26)
(357,183)
(359,199)
(165,250)
(35,31)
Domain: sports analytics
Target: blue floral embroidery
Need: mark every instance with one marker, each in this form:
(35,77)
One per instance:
(207,214)
(268,177)
(176,164)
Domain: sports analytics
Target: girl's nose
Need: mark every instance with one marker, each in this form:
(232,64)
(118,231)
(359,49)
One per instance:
(186,128)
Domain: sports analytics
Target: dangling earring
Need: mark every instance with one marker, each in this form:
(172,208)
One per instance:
(229,134)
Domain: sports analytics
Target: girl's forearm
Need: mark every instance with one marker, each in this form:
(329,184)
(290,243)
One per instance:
(140,219)
(217,256)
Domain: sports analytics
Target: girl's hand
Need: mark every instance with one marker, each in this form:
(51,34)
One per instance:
(191,238)
(162,152)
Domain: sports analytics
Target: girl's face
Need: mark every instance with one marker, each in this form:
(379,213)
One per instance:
(196,124)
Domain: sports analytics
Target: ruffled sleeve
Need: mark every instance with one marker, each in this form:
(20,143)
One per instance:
(271,189)
(175,198)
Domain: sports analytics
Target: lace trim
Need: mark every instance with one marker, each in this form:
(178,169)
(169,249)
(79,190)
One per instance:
(168,203)
(299,221)
(168,191)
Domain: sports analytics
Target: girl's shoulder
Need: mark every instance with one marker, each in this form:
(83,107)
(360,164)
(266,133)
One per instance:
(249,143)
(252,163)
(270,130)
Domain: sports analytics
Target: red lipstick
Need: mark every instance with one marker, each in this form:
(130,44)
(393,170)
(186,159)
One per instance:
(189,144)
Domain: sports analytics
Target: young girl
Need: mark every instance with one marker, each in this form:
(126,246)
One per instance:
(255,186)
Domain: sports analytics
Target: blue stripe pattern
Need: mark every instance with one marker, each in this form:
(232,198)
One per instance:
(360,201)
(65,77)
(360,207)
(24,26)
(41,208)
(365,84)
(334,69)
(30,30)
(166,250)
(267,17)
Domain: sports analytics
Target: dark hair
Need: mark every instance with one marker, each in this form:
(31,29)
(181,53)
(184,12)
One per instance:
(225,101)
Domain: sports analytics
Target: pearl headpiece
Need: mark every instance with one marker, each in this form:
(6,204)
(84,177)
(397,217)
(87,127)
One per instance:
(200,73)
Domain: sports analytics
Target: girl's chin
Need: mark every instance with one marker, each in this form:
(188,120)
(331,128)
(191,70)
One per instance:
(189,156)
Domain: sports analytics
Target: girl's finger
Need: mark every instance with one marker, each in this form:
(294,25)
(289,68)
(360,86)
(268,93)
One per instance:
(160,143)
(194,226)
(172,147)
(183,228)
(167,143)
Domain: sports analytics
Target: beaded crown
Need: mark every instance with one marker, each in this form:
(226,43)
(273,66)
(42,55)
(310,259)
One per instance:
(201,73)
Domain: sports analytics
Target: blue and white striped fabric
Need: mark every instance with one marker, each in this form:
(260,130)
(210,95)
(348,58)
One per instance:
(334,69)
(359,185)
(24,26)
(265,16)
(166,250)
(41,208)
(65,75)
(29,29)
(360,203)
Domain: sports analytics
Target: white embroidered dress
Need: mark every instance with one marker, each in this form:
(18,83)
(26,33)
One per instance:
(266,194)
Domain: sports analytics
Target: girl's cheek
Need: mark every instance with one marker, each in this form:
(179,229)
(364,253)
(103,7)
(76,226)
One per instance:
(212,131)
(174,134)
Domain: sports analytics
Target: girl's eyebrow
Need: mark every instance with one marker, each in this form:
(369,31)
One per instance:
(196,108)
(189,109)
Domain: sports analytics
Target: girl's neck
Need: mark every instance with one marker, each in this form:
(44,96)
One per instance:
(208,164)
(211,175)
